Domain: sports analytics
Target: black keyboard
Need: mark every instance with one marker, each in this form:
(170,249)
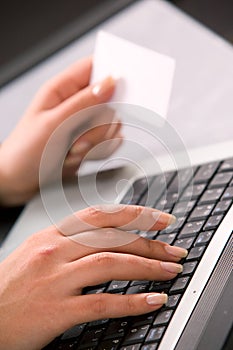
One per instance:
(200,198)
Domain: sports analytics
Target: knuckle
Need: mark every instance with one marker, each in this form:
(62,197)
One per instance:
(103,258)
(100,305)
(130,304)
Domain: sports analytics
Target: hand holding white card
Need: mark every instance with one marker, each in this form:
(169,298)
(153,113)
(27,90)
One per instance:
(144,77)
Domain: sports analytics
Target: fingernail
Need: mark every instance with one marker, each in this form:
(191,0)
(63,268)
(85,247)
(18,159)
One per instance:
(102,88)
(176,251)
(156,299)
(163,218)
(80,147)
(171,267)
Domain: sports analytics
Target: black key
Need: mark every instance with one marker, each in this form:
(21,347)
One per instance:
(201,212)
(137,289)
(162,286)
(117,286)
(189,267)
(191,228)
(131,347)
(167,238)
(111,344)
(181,180)
(73,332)
(116,329)
(142,319)
(203,238)
(195,253)
(163,317)
(228,193)
(221,179)
(150,347)
(185,243)
(98,323)
(137,282)
(227,165)
(211,195)
(193,192)
(222,207)
(205,172)
(155,334)
(174,227)
(135,191)
(167,201)
(72,344)
(95,291)
(156,189)
(183,208)
(173,301)
(91,337)
(136,334)
(180,284)
(213,222)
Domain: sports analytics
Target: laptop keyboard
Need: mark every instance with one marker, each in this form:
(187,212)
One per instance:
(203,198)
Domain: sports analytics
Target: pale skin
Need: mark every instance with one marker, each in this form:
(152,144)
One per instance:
(42,280)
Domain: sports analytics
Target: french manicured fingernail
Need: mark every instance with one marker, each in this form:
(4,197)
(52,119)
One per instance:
(80,147)
(171,267)
(163,218)
(176,251)
(156,299)
(100,89)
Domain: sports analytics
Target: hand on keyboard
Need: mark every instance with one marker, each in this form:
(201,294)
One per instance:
(42,281)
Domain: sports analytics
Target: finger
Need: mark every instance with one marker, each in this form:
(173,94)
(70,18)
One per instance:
(125,217)
(95,136)
(87,97)
(100,306)
(103,267)
(105,149)
(64,85)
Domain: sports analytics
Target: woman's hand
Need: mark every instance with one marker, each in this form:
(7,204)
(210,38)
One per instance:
(42,281)
(56,101)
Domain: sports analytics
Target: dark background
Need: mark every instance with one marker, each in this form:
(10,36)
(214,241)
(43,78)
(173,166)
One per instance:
(26,24)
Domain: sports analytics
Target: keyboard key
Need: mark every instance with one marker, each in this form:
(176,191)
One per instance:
(111,344)
(227,165)
(203,238)
(183,208)
(212,195)
(163,317)
(150,347)
(213,222)
(173,301)
(136,334)
(136,190)
(189,267)
(137,282)
(167,201)
(142,319)
(160,286)
(181,180)
(221,179)
(174,227)
(117,286)
(180,284)
(167,238)
(156,189)
(73,332)
(91,337)
(72,344)
(228,194)
(193,192)
(95,291)
(191,228)
(185,243)
(137,289)
(155,334)
(116,329)
(148,234)
(131,347)
(98,323)
(195,253)
(222,207)
(205,172)
(201,212)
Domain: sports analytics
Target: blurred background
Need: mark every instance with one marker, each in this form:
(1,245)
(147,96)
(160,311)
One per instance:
(29,26)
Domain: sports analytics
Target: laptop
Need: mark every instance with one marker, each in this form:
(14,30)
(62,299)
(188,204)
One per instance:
(199,312)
